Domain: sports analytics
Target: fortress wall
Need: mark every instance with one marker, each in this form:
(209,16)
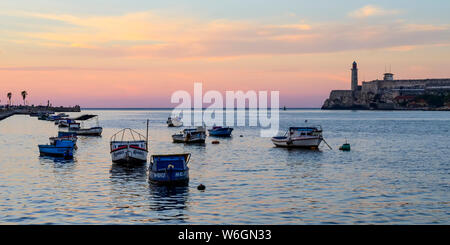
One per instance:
(338,94)
(369,87)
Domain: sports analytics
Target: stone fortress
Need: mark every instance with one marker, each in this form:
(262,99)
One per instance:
(391,94)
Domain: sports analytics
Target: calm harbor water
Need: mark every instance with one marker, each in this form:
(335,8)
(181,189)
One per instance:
(398,172)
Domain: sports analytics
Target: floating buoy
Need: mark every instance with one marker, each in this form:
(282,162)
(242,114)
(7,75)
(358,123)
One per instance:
(201,187)
(215,142)
(345,147)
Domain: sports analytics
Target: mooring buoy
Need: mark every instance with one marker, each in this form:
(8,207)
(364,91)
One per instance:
(201,187)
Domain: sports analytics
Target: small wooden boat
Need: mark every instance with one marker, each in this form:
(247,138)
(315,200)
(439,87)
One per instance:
(220,131)
(169,169)
(174,122)
(129,147)
(59,148)
(190,135)
(301,137)
(93,131)
(64,136)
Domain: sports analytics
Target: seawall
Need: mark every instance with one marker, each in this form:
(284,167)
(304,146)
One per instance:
(27,110)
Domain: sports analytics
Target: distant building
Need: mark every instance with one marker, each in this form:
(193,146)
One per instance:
(379,94)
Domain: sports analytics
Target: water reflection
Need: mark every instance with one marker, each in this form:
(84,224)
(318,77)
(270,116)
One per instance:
(124,174)
(169,201)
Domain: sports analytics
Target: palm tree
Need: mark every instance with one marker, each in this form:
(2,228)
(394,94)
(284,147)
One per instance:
(9,95)
(24,95)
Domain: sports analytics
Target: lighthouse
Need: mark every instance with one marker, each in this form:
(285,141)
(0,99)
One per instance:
(354,76)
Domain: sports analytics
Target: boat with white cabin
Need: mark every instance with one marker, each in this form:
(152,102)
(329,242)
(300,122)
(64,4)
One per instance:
(92,131)
(300,137)
(129,147)
(190,135)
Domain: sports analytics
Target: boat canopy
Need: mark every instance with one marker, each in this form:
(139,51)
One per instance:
(307,129)
(177,161)
(127,134)
(84,117)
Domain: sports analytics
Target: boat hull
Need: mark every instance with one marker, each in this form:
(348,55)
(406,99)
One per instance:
(96,131)
(129,156)
(179,138)
(222,132)
(171,170)
(171,178)
(306,142)
(57,151)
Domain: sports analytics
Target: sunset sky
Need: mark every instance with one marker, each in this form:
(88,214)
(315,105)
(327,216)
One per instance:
(136,53)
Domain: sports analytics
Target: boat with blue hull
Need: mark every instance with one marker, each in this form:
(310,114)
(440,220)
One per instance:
(220,131)
(59,148)
(169,170)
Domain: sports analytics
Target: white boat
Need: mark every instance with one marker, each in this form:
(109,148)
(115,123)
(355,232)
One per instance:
(92,131)
(129,147)
(190,135)
(301,137)
(174,122)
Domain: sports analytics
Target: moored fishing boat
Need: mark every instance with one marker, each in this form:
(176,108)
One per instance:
(64,136)
(92,131)
(174,122)
(59,148)
(169,169)
(129,147)
(190,135)
(305,137)
(220,131)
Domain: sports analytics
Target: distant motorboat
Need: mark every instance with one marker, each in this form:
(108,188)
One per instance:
(190,135)
(169,169)
(174,122)
(129,147)
(59,148)
(305,137)
(220,131)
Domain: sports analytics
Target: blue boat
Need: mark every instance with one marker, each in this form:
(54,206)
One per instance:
(169,169)
(60,148)
(220,131)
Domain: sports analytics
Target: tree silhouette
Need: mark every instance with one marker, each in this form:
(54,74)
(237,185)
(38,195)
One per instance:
(24,95)
(9,95)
